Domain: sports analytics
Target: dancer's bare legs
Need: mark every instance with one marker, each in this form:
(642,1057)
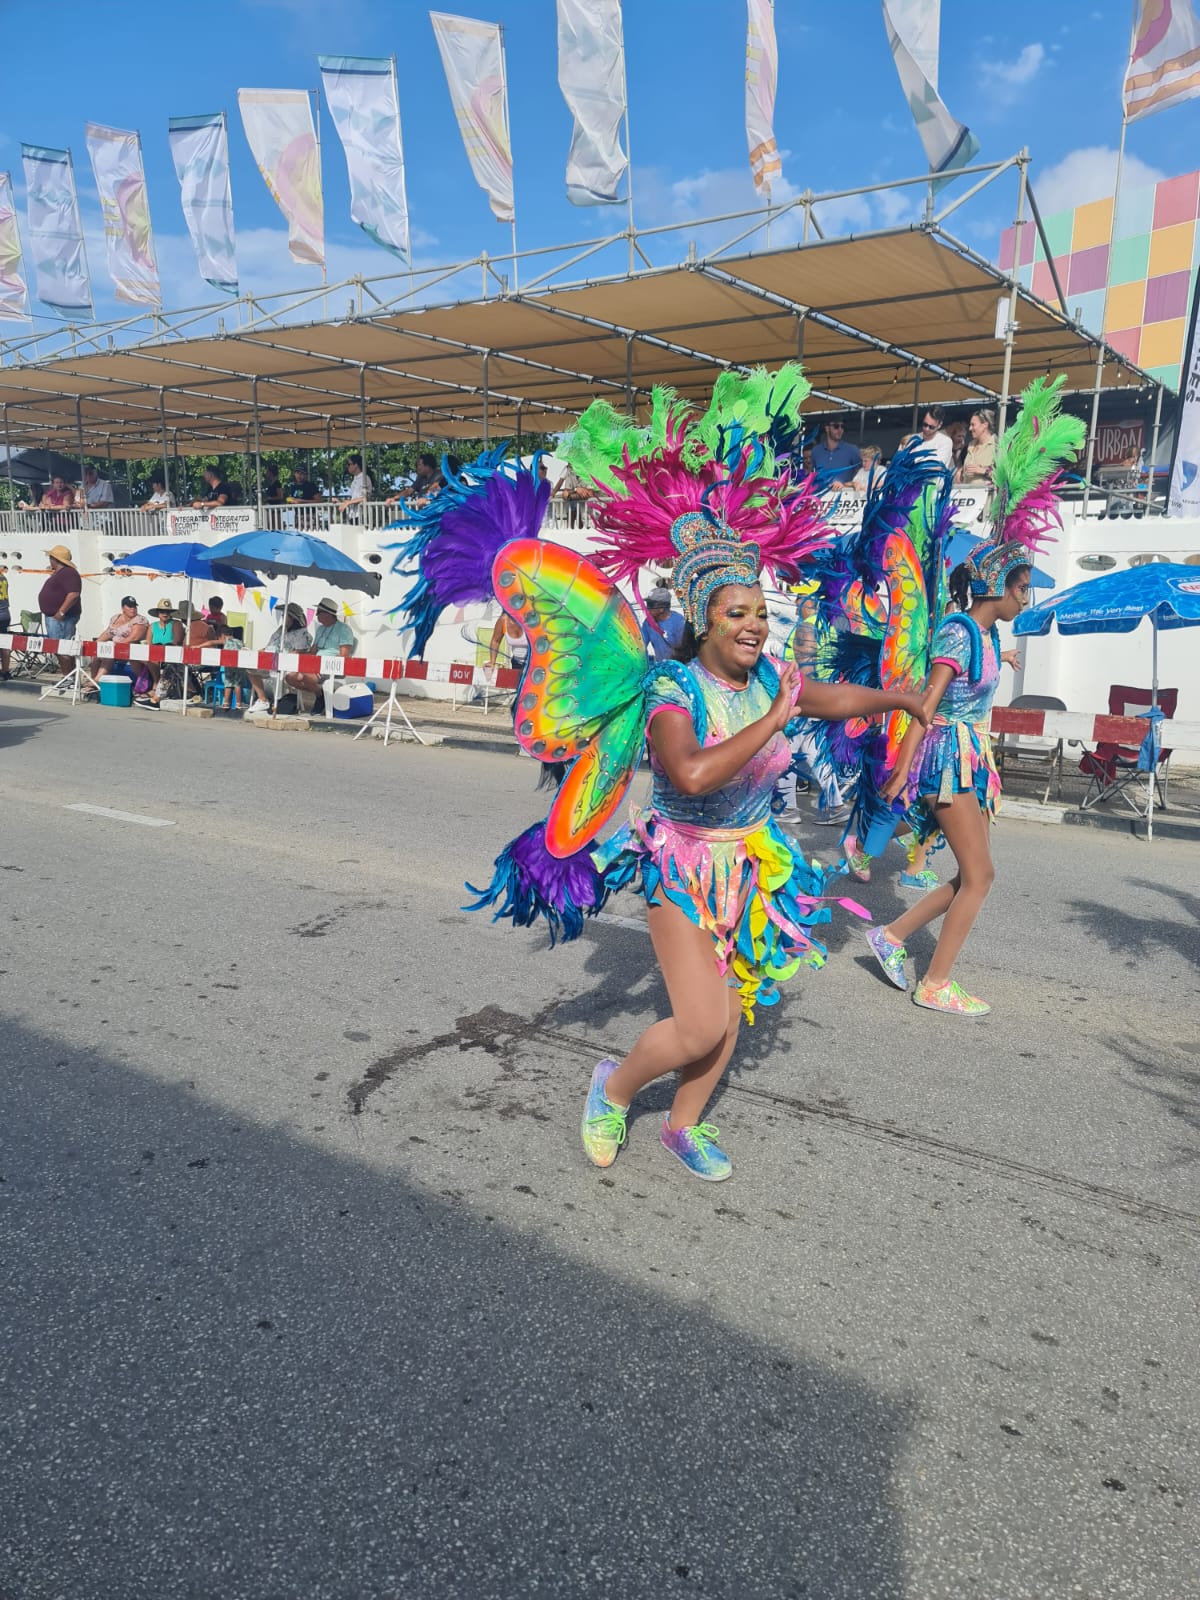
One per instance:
(698,1038)
(960,900)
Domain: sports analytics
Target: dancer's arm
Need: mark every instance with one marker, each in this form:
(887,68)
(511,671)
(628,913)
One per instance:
(939,681)
(834,702)
(695,769)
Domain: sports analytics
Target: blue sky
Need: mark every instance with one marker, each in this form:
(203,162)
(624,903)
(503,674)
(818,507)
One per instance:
(1023,73)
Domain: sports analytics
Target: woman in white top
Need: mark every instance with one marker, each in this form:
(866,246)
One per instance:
(361,487)
(161,498)
(980,459)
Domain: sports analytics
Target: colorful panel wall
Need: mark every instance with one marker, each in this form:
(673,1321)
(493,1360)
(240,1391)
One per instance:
(1149,262)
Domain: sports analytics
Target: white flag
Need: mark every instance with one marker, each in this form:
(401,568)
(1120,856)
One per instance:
(913,29)
(591,75)
(200,151)
(55,234)
(280,132)
(473,57)
(361,94)
(116,158)
(1164,61)
(14,304)
(762,70)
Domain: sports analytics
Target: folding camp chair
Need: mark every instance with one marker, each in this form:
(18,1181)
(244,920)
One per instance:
(1024,752)
(1114,770)
(31,661)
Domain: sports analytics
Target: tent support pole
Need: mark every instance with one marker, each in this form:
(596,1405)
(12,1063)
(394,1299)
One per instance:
(916,414)
(362,413)
(12,493)
(1091,443)
(162,422)
(258,499)
(1150,459)
(1010,326)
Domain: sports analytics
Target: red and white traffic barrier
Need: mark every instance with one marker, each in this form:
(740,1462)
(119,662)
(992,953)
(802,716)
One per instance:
(1092,728)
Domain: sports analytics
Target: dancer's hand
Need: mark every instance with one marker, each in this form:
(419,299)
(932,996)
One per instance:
(895,785)
(915,706)
(1011,658)
(783,707)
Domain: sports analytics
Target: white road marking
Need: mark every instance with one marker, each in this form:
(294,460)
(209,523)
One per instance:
(123,816)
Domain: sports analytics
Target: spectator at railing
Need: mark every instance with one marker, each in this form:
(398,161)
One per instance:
(362,489)
(870,474)
(427,481)
(221,492)
(980,460)
(165,629)
(934,438)
(571,488)
(97,491)
(272,488)
(57,495)
(127,627)
(61,600)
(835,460)
(331,637)
(302,490)
(161,498)
(294,638)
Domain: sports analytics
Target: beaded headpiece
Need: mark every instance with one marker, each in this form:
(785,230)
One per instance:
(989,567)
(711,555)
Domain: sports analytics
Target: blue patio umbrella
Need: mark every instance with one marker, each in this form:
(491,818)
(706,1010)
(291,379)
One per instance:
(285,553)
(1166,592)
(188,559)
(961,544)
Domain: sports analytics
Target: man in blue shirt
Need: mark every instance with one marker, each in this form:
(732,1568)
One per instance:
(663,628)
(835,460)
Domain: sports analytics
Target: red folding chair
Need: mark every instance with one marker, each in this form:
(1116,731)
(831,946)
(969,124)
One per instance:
(1113,770)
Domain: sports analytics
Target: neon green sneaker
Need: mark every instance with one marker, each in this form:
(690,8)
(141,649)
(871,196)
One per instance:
(954,1001)
(603,1127)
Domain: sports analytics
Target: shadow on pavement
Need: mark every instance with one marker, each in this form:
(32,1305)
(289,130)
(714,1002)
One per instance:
(236,1366)
(17,724)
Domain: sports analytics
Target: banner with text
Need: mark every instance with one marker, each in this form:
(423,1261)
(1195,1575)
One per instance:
(591,75)
(116,158)
(363,102)
(1183,496)
(762,70)
(283,139)
(200,151)
(60,269)
(913,30)
(473,57)
(14,301)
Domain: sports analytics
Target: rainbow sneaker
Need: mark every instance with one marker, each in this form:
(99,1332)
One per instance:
(950,999)
(699,1151)
(891,957)
(603,1127)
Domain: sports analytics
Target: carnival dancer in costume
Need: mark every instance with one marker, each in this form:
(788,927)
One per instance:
(949,768)
(731,901)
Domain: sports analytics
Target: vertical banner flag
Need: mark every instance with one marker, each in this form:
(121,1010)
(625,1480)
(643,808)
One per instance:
(591,75)
(762,70)
(14,304)
(121,184)
(1183,495)
(282,136)
(200,151)
(363,102)
(55,234)
(1164,61)
(473,57)
(913,30)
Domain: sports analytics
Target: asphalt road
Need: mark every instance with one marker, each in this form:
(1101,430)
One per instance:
(309,1294)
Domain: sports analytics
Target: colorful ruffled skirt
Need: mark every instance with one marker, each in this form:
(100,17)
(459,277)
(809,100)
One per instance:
(954,758)
(751,889)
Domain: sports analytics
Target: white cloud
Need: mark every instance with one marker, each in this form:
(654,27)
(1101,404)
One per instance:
(1004,80)
(1088,174)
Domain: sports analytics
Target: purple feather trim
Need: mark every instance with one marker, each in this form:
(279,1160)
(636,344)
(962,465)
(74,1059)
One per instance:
(530,884)
(457,564)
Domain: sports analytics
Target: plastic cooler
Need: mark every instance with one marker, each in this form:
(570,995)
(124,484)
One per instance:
(353,700)
(116,691)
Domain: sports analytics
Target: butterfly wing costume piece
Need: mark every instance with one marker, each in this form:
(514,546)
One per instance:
(708,494)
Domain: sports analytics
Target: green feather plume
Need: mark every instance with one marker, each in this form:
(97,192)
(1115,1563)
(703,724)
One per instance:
(1040,442)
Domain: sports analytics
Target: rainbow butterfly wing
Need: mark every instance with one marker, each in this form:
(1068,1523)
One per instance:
(581,697)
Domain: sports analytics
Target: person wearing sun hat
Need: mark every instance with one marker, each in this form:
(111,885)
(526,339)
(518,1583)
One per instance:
(61,601)
(331,637)
(165,629)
